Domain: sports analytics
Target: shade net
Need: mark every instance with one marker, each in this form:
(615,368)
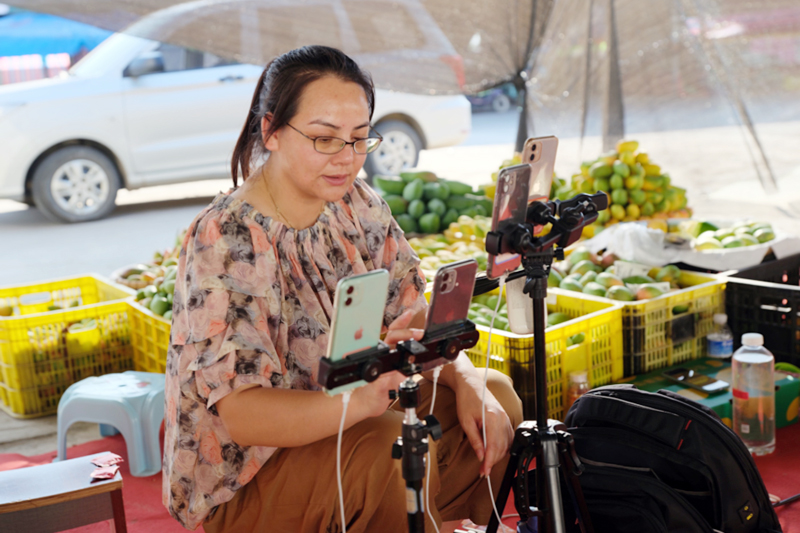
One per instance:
(683,64)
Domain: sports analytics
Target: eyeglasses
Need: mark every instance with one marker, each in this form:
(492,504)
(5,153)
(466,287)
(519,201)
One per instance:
(334,145)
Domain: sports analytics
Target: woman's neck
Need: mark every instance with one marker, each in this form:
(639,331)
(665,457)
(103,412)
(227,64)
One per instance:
(292,206)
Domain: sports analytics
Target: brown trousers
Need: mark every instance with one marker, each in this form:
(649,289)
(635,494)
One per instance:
(296,490)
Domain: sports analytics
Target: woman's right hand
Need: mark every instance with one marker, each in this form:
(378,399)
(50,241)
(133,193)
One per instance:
(373,398)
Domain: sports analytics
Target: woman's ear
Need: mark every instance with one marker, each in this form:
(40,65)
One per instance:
(271,142)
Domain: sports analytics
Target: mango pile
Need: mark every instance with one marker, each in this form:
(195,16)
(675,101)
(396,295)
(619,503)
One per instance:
(707,236)
(157,297)
(481,311)
(585,272)
(421,202)
(436,250)
(144,274)
(637,188)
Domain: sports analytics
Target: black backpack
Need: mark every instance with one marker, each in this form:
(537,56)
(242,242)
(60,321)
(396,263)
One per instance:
(658,462)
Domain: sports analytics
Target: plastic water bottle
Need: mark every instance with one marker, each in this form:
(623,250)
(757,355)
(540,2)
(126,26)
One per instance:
(754,394)
(720,340)
(578,386)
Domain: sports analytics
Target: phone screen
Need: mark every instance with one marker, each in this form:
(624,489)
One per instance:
(510,207)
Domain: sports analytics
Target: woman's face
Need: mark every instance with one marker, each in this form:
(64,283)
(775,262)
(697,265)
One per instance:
(328,107)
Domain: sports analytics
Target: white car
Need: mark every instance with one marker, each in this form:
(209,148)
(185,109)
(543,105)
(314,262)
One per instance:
(135,113)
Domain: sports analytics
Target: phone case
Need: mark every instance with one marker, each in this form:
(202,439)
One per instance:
(510,206)
(452,294)
(357,317)
(540,154)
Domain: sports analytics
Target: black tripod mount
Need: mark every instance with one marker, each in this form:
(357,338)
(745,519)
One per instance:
(411,448)
(545,440)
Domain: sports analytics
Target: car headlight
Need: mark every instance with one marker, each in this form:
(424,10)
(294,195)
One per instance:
(8,108)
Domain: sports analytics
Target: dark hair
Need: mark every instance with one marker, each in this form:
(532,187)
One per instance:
(279,90)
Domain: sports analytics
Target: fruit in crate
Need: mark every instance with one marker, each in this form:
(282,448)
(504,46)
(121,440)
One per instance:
(141,275)
(637,188)
(435,251)
(595,275)
(421,202)
(157,297)
(708,236)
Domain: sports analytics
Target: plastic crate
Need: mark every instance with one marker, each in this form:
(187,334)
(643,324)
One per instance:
(150,338)
(766,299)
(655,336)
(67,293)
(40,357)
(600,354)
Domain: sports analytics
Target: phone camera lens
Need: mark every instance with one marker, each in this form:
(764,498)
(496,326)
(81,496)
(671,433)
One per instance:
(348,301)
(350,290)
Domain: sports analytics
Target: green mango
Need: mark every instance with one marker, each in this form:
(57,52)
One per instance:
(449,217)
(397,204)
(600,170)
(554,319)
(456,187)
(459,202)
(437,206)
(429,223)
(414,190)
(407,223)
(416,208)
(390,184)
(424,175)
(436,190)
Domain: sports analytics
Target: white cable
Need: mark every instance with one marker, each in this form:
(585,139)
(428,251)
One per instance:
(345,402)
(483,395)
(436,372)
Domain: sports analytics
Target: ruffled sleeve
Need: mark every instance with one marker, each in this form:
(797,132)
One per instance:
(389,249)
(226,311)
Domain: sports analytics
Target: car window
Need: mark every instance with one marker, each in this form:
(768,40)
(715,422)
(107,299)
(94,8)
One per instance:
(177,58)
(380,26)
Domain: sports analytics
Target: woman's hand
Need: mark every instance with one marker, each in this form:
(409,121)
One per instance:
(499,432)
(399,330)
(373,398)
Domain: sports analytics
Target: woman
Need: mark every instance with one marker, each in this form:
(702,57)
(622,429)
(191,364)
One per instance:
(250,438)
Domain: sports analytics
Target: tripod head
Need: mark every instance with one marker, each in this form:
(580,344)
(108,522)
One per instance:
(573,215)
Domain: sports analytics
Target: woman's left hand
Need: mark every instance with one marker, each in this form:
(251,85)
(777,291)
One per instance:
(499,432)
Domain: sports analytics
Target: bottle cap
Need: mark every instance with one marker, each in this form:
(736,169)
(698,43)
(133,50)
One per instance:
(720,319)
(579,376)
(753,339)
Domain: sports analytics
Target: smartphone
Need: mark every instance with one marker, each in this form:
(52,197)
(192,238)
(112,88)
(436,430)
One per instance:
(451,295)
(358,308)
(540,154)
(510,207)
(695,380)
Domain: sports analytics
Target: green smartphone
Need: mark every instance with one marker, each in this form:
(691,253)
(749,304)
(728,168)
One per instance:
(358,308)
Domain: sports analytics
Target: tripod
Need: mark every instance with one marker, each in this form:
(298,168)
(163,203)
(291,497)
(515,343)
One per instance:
(545,440)
(411,448)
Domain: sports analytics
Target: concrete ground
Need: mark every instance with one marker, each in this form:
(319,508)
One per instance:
(707,162)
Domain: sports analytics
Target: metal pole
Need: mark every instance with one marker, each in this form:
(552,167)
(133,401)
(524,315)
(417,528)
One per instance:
(614,111)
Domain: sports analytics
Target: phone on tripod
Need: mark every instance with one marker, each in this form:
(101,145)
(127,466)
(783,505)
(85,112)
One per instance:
(452,294)
(510,208)
(358,308)
(540,154)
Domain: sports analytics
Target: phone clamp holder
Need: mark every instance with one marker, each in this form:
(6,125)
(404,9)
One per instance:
(544,439)
(411,448)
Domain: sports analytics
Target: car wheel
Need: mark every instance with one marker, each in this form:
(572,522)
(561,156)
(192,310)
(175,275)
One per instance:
(398,151)
(501,103)
(75,184)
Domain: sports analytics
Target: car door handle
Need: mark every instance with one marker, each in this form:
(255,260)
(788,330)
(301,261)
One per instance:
(230,78)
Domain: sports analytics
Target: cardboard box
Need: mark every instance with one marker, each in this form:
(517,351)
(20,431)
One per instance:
(787,390)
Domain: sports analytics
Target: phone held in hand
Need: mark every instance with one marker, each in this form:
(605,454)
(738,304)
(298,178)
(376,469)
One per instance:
(510,207)
(358,309)
(695,380)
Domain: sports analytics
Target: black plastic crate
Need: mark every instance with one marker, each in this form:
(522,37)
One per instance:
(766,299)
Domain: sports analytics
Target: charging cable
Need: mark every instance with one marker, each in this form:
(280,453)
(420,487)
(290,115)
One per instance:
(345,402)
(436,372)
(483,395)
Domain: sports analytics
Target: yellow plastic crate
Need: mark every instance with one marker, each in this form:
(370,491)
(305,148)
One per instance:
(150,337)
(40,357)
(84,290)
(600,354)
(654,336)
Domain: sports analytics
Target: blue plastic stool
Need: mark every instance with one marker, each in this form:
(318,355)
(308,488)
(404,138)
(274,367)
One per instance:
(131,402)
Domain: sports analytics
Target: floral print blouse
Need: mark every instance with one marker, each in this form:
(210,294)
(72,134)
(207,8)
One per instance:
(252,304)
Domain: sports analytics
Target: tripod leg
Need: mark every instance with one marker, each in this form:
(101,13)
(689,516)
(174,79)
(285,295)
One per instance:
(550,471)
